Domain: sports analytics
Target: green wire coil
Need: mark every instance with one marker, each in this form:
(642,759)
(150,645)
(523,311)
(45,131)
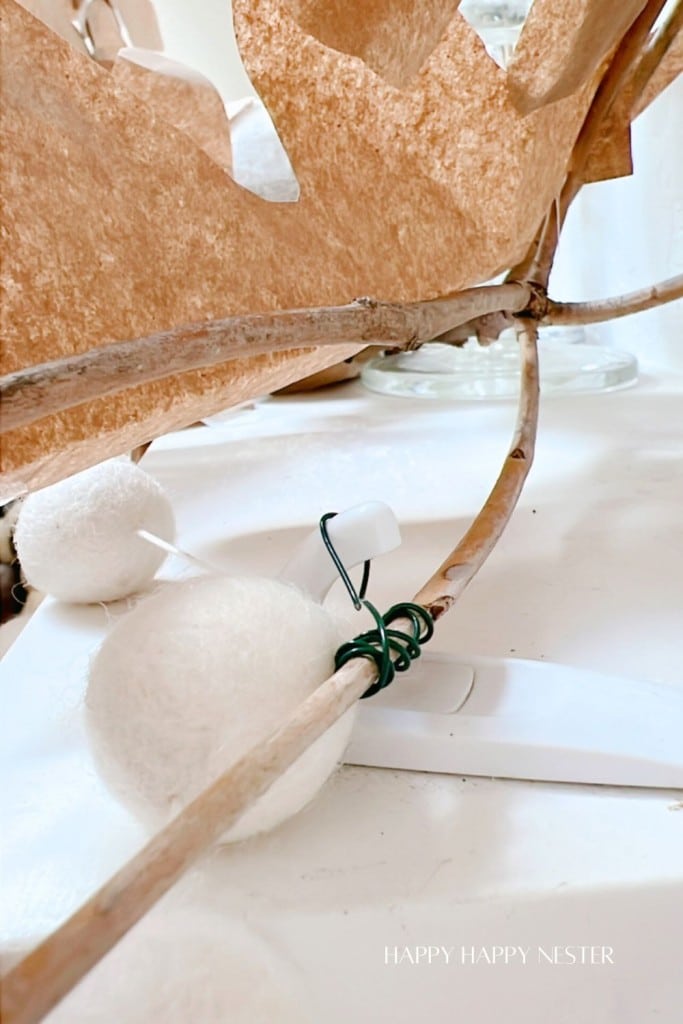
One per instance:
(381,643)
(392,650)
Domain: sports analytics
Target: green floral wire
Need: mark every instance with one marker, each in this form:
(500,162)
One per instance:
(381,643)
(339,565)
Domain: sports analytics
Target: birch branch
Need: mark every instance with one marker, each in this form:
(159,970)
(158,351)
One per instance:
(618,306)
(653,55)
(538,261)
(29,395)
(44,977)
(616,76)
(449,581)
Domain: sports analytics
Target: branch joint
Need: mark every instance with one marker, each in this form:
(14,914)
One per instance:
(538,304)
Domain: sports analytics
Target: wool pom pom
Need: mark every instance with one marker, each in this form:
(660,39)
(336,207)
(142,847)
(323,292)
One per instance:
(77,539)
(197,675)
(187,965)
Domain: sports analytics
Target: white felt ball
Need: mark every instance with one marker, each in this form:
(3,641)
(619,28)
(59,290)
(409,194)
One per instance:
(188,965)
(198,674)
(77,539)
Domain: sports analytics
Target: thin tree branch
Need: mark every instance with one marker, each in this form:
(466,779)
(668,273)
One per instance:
(29,395)
(538,261)
(449,581)
(549,312)
(42,979)
(138,453)
(657,49)
(618,306)
(49,972)
(616,76)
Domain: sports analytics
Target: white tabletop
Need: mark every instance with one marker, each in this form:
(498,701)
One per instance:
(589,573)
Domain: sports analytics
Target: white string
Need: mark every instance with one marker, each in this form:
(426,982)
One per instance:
(158,542)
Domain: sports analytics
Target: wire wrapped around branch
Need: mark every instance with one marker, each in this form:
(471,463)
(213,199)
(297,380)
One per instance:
(50,971)
(391,650)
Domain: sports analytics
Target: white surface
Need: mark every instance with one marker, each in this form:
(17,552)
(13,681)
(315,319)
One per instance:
(527,720)
(202,36)
(590,573)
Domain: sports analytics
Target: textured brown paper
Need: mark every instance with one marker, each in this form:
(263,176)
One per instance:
(119,226)
(563,44)
(670,67)
(137,15)
(447,187)
(179,95)
(611,157)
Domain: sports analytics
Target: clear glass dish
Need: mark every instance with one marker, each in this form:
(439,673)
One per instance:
(475,372)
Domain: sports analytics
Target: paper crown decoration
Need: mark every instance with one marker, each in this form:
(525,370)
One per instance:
(424,168)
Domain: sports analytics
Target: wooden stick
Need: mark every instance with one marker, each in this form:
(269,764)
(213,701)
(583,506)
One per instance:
(29,395)
(39,981)
(652,57)
(46,975)
(618,306)
(451,578)
(139,452)
(641,86)
(552,312)
(608,92)
(615,78)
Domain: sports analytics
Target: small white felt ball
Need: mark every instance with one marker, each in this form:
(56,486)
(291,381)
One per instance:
(77,539)
(197,675)
(188,965)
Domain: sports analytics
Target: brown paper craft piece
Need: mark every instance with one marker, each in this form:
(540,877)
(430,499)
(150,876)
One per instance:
(137,15)
(612,156)
(393,39)
(669,68)
(180,96)
(661,62)
(118,226)
(562,45)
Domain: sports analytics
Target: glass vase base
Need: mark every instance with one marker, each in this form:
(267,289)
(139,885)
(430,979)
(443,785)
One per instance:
(474,372)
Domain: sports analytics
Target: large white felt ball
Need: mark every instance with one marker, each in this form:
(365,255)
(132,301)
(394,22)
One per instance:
(188,965)
(197,675)
(77,539)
